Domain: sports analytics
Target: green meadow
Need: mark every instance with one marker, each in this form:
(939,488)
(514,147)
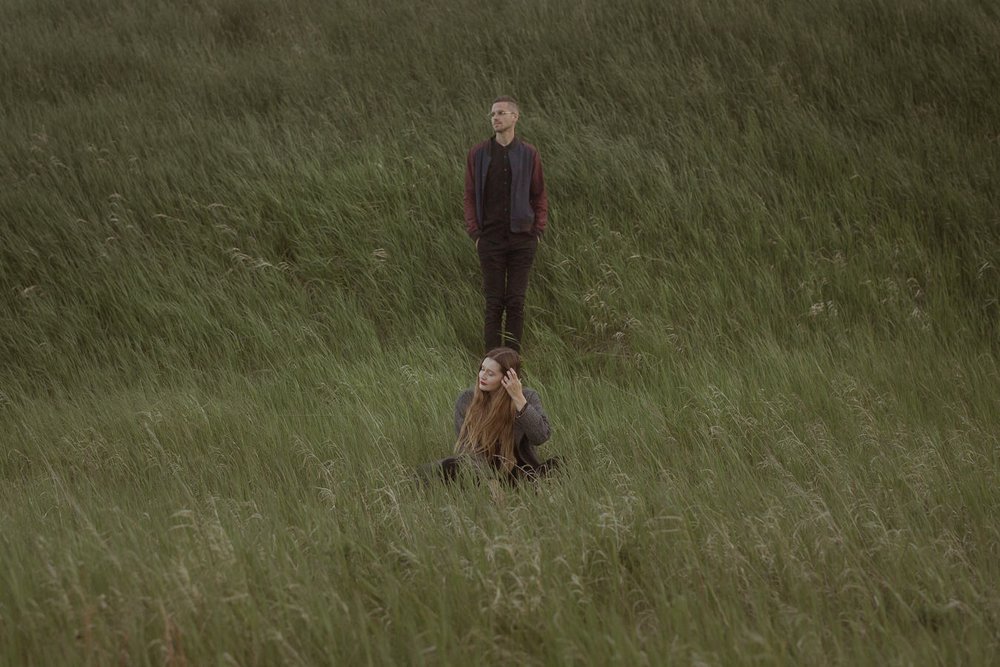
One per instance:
(237,303)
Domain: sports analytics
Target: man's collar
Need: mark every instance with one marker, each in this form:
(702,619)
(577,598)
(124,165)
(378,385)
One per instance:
(493,140)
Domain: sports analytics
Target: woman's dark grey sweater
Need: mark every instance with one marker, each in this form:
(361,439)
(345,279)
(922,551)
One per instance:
(531,426)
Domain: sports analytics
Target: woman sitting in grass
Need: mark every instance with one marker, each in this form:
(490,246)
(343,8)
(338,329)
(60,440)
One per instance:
(498,423)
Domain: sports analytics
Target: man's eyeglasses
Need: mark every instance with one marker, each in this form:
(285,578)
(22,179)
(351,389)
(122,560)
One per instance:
(501,113)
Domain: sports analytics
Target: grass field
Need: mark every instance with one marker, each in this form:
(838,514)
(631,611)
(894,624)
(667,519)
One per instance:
(238,303)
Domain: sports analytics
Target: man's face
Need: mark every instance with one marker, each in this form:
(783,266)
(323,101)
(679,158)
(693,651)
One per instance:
(503,116)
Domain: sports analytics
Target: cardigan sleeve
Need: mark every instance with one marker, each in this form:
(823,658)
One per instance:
(532,421)
(461,406)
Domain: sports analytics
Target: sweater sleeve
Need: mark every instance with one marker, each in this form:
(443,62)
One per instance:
(461,406)
(532,421)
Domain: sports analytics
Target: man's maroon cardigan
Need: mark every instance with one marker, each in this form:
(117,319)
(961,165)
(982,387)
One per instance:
(529,205)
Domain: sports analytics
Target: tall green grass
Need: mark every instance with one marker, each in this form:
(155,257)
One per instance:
(237,303)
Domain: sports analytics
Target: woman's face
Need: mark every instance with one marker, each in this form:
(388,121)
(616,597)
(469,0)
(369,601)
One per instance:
(490,375)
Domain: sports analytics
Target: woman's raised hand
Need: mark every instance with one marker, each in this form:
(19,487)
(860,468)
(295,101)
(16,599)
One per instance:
(512,384)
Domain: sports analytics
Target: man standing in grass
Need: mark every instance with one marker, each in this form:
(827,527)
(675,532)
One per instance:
(506,209)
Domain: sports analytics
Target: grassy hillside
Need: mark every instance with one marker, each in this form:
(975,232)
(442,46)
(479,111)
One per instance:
(238,302)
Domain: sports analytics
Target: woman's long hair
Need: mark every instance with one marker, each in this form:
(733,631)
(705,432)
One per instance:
(488,429)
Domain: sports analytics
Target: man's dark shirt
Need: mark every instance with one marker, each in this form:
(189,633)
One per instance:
(496,195)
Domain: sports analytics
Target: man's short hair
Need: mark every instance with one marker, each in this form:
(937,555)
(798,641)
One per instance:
(509,100)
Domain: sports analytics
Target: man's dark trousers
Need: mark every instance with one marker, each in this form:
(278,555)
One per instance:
(505,264)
